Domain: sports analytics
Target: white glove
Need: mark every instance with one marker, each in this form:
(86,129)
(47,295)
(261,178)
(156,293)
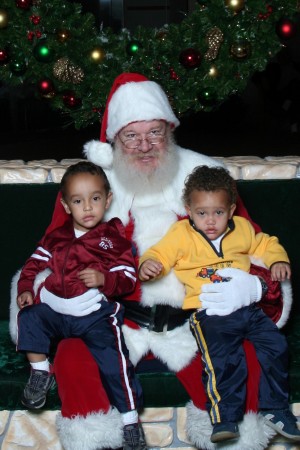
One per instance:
(223,298)
(82,305)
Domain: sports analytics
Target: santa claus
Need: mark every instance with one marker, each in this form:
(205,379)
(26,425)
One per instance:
(147,170)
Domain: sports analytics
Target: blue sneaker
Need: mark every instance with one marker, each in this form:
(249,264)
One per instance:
(224,431)
(283,421)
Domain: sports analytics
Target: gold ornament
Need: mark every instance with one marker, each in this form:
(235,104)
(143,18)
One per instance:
(213,71)
(240,50)
(65,70)
(63,35)
(97,55)
(235,5)
(214,39)
(3,18)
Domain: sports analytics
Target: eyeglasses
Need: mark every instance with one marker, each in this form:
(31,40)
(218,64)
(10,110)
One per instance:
(153,138)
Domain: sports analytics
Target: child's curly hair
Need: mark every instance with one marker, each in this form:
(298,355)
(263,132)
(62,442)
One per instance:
(204,178)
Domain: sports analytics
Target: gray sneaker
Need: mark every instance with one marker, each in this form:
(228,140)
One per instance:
(134,437)
(39,383)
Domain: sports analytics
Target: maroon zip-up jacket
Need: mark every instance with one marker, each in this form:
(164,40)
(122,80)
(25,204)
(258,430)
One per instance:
(104,248)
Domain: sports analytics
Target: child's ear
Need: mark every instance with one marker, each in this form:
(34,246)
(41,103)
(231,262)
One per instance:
(108,200)
(232,209)
(188,210)
(66,208)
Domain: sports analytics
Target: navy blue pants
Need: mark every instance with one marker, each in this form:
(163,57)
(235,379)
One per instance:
(101,331)
(220,340)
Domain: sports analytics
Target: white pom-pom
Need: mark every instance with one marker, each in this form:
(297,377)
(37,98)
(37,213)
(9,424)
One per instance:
(99,153)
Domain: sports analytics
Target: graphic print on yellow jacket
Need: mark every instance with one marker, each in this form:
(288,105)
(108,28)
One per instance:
(194,257)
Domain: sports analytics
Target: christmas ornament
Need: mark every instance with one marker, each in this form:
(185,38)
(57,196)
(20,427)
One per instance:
(240,50)
(207,97)
(64,70)
(3,18)
(214,39)
(23,4)
(264,16)
(63,35)
(70,100)
(133,47)
(190,58)
(173,75)
(35,19)
(46,88)
(285,28)
(3,56)
(213,71)
(235,5)
(18,67)
(30,35)
(97,55)
(42,52)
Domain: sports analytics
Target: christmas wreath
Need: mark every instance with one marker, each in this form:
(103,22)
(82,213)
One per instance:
(200,62)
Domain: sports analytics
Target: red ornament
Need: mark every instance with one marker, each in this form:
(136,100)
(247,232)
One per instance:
(30,35)
(285,28)
(45,86)
(173,75)
(38,34)
(190,58)
(70,100)
(35,19)
(23,4)
(262,16)
(3,56)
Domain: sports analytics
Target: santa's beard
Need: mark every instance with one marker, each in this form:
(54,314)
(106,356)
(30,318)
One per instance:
(152,180)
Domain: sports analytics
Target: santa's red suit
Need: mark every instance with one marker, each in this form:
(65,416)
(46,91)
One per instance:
(87,420)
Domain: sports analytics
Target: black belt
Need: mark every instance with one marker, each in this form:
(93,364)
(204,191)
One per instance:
(157,318)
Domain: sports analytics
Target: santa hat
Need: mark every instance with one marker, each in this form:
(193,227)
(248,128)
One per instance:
(132,98)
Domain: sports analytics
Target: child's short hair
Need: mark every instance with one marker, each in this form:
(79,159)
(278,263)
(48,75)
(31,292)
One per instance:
(83,167)
(204,178)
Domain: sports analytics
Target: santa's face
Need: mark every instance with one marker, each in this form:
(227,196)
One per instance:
(144,144)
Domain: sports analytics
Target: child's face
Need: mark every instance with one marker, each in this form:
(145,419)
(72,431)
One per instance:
(86,200)
(210,212)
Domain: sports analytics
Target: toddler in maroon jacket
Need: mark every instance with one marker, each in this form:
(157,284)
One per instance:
(85,256)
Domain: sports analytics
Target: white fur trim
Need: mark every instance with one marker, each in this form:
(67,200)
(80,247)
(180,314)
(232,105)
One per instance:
(14,309)
(94,432)
(138,101)
(254,433)
(100,153)
(287,293)
(176,348)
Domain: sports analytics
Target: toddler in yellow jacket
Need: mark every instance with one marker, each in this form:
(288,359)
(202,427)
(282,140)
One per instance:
(212,238)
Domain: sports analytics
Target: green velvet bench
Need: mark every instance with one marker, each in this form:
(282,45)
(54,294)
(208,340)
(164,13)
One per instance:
(25,213)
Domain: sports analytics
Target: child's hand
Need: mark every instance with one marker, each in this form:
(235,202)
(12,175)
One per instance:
(280,271)
(92,278)
(24,299)
(150,269)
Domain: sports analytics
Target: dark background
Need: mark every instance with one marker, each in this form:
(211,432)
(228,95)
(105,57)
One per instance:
(264,120)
